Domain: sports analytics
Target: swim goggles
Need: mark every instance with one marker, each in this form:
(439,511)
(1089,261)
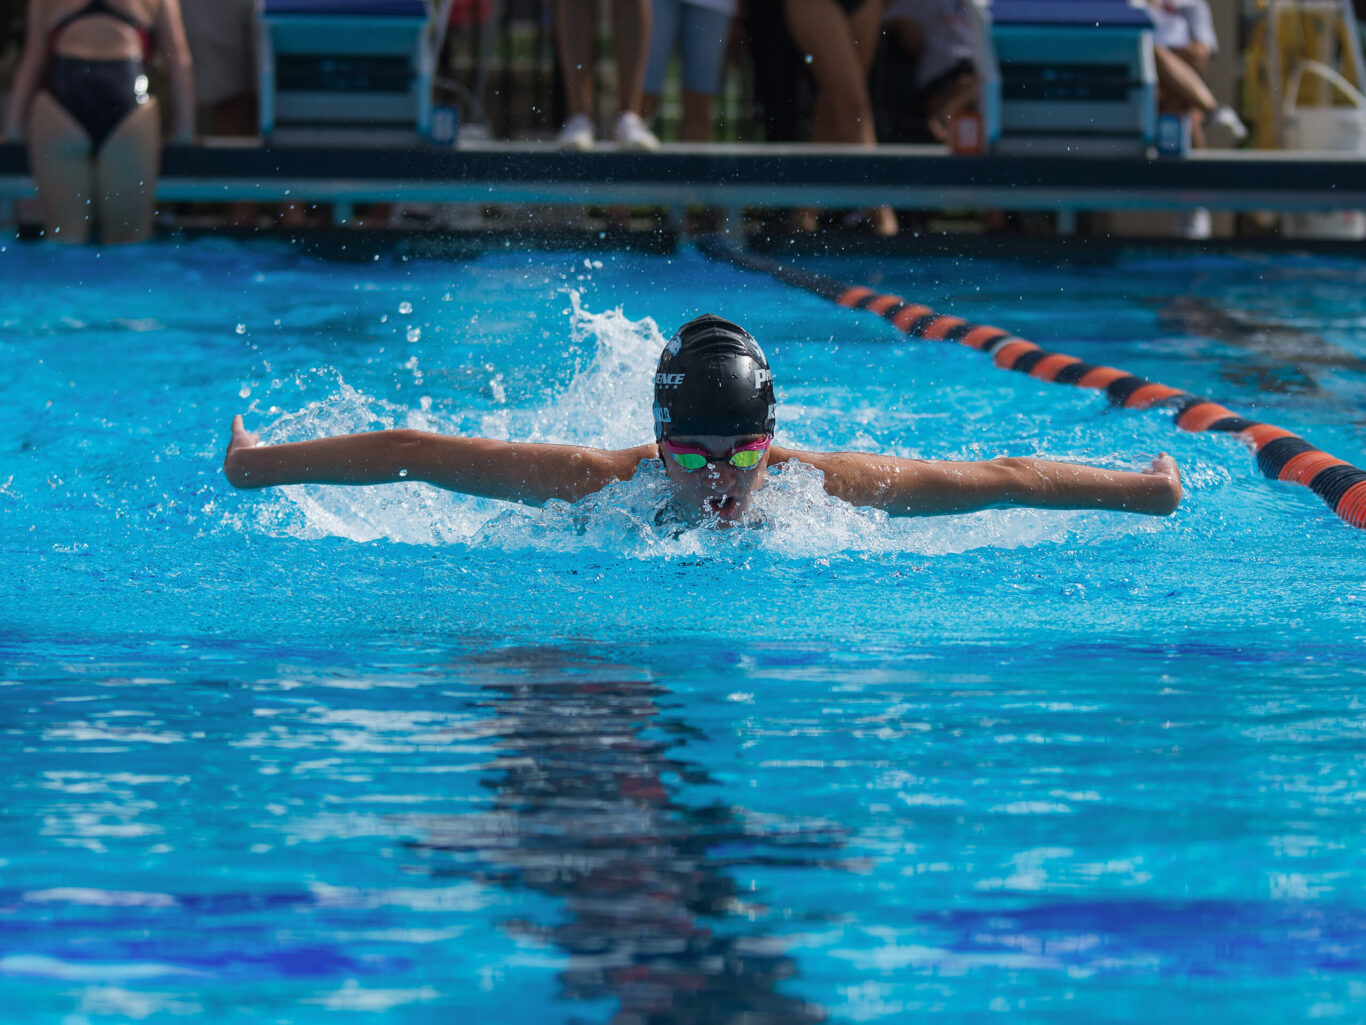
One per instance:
(694,457)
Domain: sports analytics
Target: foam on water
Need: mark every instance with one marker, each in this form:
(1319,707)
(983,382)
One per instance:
(607,403)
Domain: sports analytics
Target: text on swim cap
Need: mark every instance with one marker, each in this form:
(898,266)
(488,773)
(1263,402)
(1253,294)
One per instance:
(762,376)
(669,379)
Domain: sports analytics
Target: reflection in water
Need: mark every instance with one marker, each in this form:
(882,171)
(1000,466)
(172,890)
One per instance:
(1278,358)
(586,812)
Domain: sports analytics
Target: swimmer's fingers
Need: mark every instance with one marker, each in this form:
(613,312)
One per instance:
(1164,467)
(241,437)
(233,460)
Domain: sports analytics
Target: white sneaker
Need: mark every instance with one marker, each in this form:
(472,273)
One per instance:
(1228,117)
(1193,223)
(632,133)
(577,134)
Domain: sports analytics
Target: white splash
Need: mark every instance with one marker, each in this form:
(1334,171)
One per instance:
(607,405)
(608,402)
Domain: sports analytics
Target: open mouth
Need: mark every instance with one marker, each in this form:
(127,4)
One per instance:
(722,505)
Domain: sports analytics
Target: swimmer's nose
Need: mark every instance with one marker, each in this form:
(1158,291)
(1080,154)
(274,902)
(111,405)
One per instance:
(723,473)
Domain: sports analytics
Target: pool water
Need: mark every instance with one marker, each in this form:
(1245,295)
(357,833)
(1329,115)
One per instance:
(320,754)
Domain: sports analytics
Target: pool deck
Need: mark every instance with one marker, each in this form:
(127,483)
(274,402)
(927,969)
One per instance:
(735,177)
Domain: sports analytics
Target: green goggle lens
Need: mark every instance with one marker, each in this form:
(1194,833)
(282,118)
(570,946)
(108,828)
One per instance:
(744,457)
(690,460)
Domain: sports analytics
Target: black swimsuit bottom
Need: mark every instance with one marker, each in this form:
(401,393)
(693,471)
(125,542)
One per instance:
(98,94)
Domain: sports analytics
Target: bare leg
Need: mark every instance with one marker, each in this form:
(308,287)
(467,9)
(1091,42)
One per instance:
(697,124)
(867,25)
(841,50)
(1180,84)
(59,153)
(844,112)
(1181,89)
(576,26)
(631,45)
(127,169)
(820,29)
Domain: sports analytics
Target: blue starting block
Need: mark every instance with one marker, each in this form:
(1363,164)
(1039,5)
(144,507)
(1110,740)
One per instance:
(345,69)
(1070,76)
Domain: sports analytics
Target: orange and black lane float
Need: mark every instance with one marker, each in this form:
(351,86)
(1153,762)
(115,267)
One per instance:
(1281,454)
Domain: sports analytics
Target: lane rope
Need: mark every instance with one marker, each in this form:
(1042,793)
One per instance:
(1281,454)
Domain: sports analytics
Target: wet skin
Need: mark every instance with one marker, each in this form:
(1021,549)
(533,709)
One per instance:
(717,490)
(720,493)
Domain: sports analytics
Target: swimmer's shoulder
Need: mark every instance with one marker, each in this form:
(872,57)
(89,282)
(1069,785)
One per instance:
(625,463)
(825,461)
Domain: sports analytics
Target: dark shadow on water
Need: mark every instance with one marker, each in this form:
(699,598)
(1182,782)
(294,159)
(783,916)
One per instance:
(1277,358)
(590,809)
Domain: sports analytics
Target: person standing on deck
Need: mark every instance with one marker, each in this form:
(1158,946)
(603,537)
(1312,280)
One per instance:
(699,30)
(838,39)
(80,98)
(576,31)
(714,418)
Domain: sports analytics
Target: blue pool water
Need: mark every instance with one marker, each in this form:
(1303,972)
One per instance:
(410,756)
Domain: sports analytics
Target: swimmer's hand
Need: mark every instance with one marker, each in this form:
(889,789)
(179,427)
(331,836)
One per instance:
(1165,498)
(242,439)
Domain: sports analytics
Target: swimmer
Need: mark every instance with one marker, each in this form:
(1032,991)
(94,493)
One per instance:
(714,414)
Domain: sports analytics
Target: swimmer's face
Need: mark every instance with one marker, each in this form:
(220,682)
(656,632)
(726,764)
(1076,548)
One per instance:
(719,490)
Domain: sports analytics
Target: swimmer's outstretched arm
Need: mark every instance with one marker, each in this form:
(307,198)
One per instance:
(506,470)
(920,487)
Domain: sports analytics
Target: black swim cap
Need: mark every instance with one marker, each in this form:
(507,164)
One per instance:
(713,379)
